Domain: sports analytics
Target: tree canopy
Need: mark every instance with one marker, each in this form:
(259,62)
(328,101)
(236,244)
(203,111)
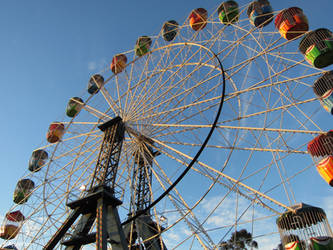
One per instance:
(239,240)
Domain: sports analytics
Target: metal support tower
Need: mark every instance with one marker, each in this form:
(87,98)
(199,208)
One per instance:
(143,227)
(100,203)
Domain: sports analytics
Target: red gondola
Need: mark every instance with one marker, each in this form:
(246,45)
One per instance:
(322,145)
(11,225)
(321,151)
(325,169)
(118,63)
(55,132)
(198,19)
(291,23)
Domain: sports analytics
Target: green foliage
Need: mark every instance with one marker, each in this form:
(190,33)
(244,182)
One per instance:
(239,240)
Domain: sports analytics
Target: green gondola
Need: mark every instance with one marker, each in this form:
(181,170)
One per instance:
(142,45)
(74,106)
(228,12)
(317,47)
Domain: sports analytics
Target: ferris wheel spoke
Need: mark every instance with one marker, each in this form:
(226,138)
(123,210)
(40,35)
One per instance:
(94,112)
(223,175)
(62,172)
(142,75)
(256,200)
(183,80)
(268,166)
(286,180)
(128,79)
(191,127)
(230,188)
(299,110)
(168,114)
(108,98)
(35,238)
(275,162)
(277,130)
(181,108)
(72,150)
(270,110)
(56,175)
(169,100)
(193,228)
(180,200)
(177,112)
(117,98)
(271,69)
(258,149)
(164,131)
(91,133)
(233,44)
(281,176)
(256,86)
(129,89)
(248,60)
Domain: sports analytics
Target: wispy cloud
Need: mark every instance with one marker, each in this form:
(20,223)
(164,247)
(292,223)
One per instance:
(97,65)
(92,66)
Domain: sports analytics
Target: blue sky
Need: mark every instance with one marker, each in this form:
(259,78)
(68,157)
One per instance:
(49,49)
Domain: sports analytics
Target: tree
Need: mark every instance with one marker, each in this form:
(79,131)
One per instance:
(239,240)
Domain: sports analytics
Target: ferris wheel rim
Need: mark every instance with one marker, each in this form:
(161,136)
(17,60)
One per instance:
(188,168)
(223,124)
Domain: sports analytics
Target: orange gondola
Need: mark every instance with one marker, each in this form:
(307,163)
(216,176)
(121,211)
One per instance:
(118,63)
(55,132)
(321,151)
(198,19)
(291,23)
(325,169)
(322,145)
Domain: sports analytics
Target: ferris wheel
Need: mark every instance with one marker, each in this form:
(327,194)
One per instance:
(198,132)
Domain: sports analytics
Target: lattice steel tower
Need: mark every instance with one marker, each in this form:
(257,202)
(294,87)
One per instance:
(143,228)
(100,204)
